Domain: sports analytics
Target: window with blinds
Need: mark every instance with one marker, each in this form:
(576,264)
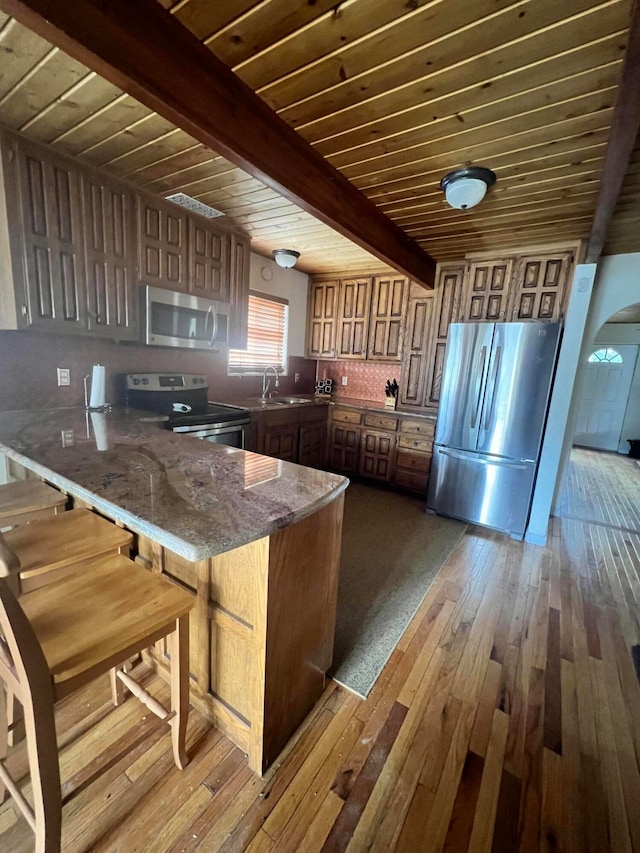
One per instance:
(267,336)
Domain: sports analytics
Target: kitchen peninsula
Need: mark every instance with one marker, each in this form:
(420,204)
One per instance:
(256,539)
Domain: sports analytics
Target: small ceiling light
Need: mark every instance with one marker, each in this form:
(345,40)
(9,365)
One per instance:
(464,188)
(285,258)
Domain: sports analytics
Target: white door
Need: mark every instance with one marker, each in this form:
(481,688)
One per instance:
(604,396)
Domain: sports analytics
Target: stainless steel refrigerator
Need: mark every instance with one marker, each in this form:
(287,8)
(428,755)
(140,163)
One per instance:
(493,406)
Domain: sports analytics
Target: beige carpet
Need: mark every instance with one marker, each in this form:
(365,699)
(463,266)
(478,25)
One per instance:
(391,552)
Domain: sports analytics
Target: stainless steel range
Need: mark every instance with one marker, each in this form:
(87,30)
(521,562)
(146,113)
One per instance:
(183,398)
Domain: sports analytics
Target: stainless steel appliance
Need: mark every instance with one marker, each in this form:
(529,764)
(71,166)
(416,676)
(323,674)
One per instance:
(174,319)
(182,397)
(493,405)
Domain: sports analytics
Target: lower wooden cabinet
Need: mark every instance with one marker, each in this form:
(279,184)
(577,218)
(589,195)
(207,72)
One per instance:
(296,434)
(380,446)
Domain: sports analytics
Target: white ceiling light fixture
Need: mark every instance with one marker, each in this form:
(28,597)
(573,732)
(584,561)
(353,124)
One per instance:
(464,188)
(285,258)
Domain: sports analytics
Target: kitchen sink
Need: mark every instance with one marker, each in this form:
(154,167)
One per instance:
(284,401)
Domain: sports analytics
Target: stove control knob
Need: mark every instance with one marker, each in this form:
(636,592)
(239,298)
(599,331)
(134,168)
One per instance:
(136,381)
(145,381)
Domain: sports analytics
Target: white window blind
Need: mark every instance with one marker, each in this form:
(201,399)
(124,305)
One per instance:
(267,338)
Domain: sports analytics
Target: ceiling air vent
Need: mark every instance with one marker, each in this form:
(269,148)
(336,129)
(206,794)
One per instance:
(194,205)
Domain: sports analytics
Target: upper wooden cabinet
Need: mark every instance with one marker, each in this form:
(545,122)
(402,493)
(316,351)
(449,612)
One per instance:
(162,244)
(353,318)
(541,286)
(109,231)
(388,307)
(488,290)
(209,256)
(322,319)
(357,318)
(240,255)
(46,236)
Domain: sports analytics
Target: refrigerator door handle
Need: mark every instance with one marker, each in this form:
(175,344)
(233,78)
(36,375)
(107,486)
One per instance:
(496,367)
(502,463)
(479,384)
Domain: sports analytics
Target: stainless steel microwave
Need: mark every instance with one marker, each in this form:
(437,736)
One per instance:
(174,319)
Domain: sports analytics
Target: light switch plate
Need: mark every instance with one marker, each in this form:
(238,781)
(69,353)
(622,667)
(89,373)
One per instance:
(67,437)
(64,376)
(344,380)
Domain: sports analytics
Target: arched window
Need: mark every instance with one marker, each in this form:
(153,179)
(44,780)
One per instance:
(608,355)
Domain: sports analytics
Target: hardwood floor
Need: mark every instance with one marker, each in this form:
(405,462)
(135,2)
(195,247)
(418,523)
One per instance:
(508,718)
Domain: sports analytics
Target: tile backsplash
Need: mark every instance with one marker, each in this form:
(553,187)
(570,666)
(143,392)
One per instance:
(28,362)
(365,380)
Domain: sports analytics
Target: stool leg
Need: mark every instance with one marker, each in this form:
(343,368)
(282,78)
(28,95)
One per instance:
(117,687)
(45,774)
(4,734)
(179,647)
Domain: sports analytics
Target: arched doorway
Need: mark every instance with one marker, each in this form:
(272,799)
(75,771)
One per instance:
(605,393)
(609,404)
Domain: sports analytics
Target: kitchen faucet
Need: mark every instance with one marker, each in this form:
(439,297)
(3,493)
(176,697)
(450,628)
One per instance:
(266,382)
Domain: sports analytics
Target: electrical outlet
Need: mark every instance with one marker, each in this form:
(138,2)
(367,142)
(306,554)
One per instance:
(67,437)
(64,376)
(344,380)
(296,378)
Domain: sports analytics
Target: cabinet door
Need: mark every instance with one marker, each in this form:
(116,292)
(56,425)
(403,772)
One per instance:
(449,309)
(208,260)
(344,442)
(52,240)
(541,286)
(353,318)
(321,319)
(377,455)
(388,308)
(240,253)
(312,448)
(109,234)
(281,442)
(488,290)
(163,247)
(415,364)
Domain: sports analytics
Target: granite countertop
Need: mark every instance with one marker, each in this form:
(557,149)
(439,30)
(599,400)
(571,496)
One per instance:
(255,404)
(196,498)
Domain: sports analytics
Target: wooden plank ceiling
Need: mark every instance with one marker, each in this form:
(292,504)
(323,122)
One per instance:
(393,93)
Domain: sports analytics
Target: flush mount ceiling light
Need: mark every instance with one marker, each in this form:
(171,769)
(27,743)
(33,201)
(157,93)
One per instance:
(285,258)
(464,188)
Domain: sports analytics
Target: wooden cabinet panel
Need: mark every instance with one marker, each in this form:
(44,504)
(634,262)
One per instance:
(312,444)
(424,428)
(413,377)
(541,286)
(281,442)
(344,443)
(415,442)
(110,256)
(413,461)
(349,416)
(240,254)
(321,319)
(377,455)
(449,309)
(208,260)
(488,290)
(380,421)
(52,239)
(163,245)
(414,481)
(353,318)
(388,307)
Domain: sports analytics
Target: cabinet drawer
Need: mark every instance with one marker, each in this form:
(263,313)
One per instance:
(381,421)
(312,414)
(416,481)
(346,416)
(415,442)
(281,417)
(426,428)
(415,461)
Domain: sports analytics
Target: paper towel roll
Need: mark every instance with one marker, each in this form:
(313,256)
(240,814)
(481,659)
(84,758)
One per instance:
(99,424)
(98,398)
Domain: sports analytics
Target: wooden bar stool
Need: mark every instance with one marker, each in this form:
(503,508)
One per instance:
(50,549)
(58,638)
(28,500)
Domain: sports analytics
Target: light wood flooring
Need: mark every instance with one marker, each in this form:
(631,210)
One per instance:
(508,718)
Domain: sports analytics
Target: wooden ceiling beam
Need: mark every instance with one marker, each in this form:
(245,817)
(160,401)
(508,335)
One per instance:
(141,48)
(625,126)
